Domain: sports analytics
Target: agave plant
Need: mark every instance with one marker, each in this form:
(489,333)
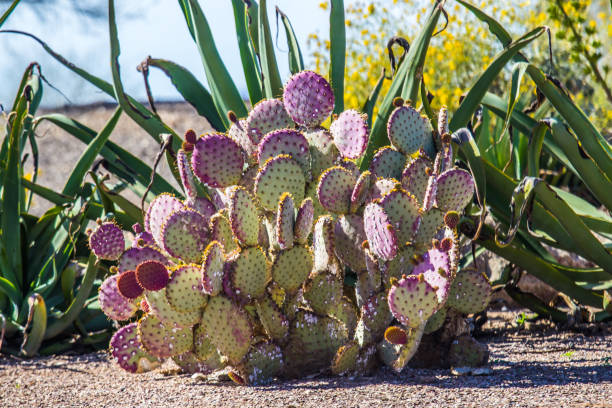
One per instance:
(251,272)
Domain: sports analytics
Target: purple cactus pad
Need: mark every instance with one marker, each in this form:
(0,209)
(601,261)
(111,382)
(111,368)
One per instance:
(308,98)
(152,275)
(112,302)
(350,132)
(128,285)
(266,116)
(128,352)
(217,160)
(455,190)
(107,241)
(137,255)
(381,234)
(284,141)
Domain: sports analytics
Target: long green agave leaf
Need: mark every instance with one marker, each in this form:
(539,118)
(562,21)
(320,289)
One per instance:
(474,96)
(593,217)
(517,75)
(535,150)
(36,325)
(534,304)
(592,141)
(112,152)
(191,89)
(370,103)
(337,52)
(296,61)
(597,182)
(407,71)
(272,84)
(89,155)
(252,74)
(11,198)
(8,12)
(76,306)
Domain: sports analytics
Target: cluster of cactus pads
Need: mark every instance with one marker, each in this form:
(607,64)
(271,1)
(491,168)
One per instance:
(286,260)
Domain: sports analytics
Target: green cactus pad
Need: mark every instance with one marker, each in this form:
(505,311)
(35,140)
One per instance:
(127,351)
(266,116)
(262,363)
(349,236)
(431,222)
(227,327)
(466,351)
(184,235)
(402,264)
(249,273)
(409,131)
(381,187)
(382,237)
(345,360)
(388,163)
(212,269)
(238,133)
(412,301)
(285,141)
(346,313)
(435,322)
(397,356)
(455,190)
(243,216)
(470,292)
(323,244)
(285,221)
(361,190)
(350,133)
(308,98)
(221,231)
(323,292)
(279,174)
(323,152)
(272,319)
(160,208)
(170,317)
(161,341)
(291,267)
(187,177)
(367,285)
(304,221)
(189,363)
(134,256)
(335,188)
(414,177)
(375,318)
(202,346)
(184,291)
(217,160)
(403,212)
(313,342)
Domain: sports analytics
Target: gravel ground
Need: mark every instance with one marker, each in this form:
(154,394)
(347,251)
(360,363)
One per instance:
(542,367)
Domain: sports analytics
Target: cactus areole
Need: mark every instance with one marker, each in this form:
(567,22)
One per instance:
(252,277)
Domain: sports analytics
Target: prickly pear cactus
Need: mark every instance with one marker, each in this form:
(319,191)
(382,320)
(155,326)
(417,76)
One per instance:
(253,270)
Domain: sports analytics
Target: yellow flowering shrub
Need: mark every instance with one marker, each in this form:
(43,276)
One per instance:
(462,51)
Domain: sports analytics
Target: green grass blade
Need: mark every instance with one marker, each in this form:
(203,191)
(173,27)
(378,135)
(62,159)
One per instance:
(272,84)
(409,64)
(494,26)
(296,61)
(36,325)
(8,12)
(76,306)
(252,74)
(222,87)
(337,52)
(89,155)
(483,83)
(370,103)
(592,141)
(192,90)
(591,174)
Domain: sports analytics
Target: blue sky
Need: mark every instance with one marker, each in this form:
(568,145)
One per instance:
(156,28)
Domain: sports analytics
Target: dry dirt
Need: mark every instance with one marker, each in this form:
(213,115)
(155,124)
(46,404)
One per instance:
(542,367)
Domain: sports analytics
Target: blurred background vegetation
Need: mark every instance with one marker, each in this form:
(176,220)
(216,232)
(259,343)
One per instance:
(581,43)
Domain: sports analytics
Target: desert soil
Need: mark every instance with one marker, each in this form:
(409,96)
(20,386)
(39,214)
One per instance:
(540,367)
